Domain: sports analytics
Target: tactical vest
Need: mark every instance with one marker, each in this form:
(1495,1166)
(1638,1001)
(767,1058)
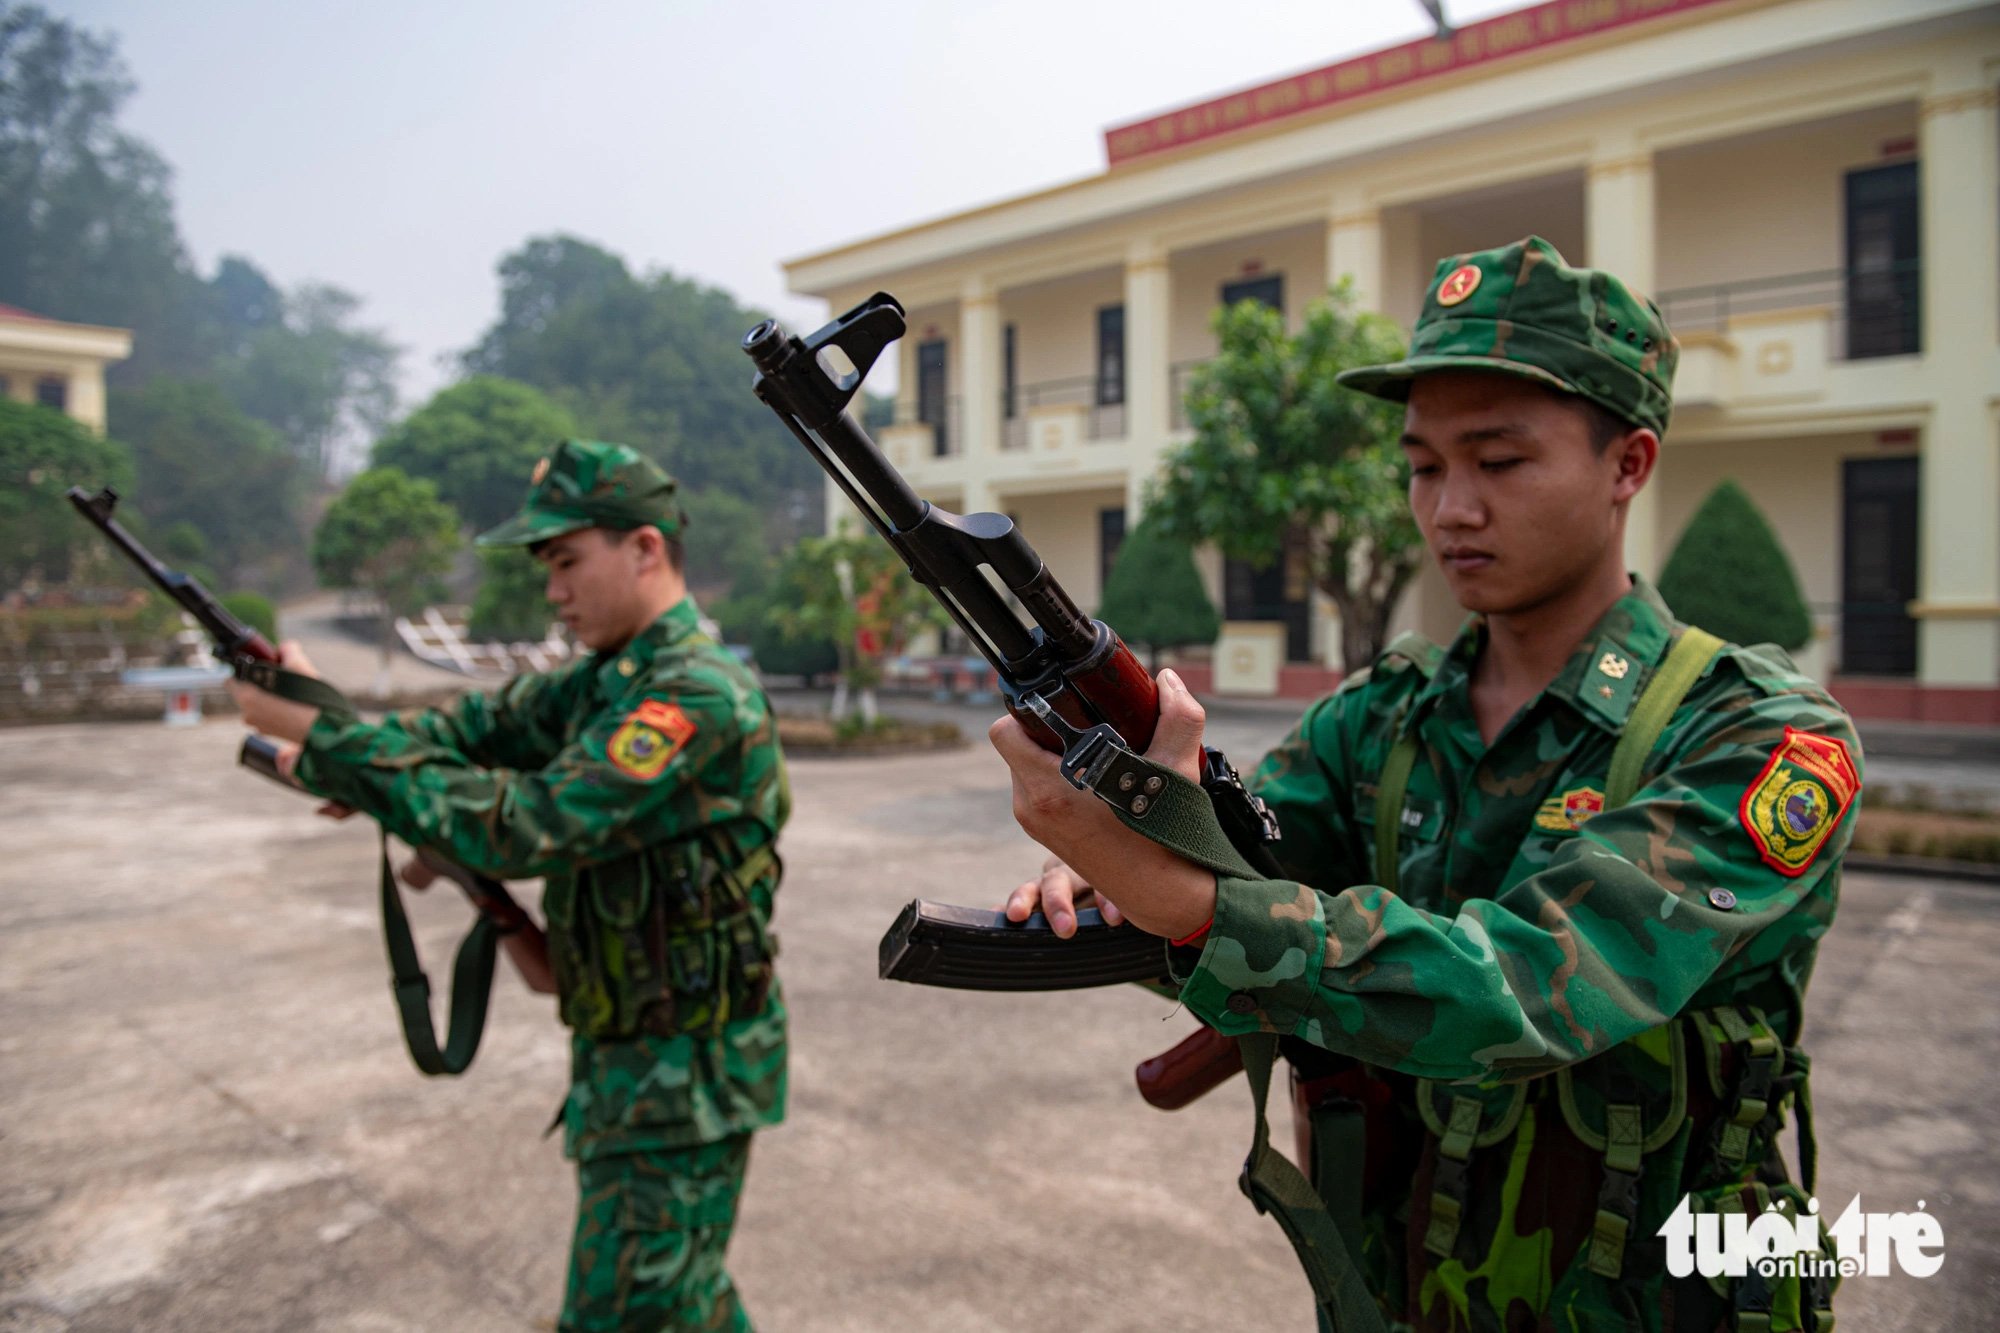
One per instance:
(667,941)
(1630,1104)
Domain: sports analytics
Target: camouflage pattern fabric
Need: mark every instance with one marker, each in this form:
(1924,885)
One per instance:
(1520,310)
(1559,996)
(652,1233)
(620,778)
(591,484)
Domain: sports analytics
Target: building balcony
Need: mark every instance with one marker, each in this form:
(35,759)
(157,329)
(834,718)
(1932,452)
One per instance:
(1060,414)
(1770,341)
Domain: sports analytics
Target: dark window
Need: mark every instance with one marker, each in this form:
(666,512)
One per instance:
(1270,291)
(1110,536)
(52,392)
(1878,567)
(1110,355)
(1282,591)
(931,393)
(1884,312)
(1009,384)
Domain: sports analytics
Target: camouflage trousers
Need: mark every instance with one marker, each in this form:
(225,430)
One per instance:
(652,1230)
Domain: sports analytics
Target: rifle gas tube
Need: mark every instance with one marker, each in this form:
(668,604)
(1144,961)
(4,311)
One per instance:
(1070,681)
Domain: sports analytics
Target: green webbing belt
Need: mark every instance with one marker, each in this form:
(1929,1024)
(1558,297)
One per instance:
(1686,660)
(472,970)
(1277,1187)
(1389,808)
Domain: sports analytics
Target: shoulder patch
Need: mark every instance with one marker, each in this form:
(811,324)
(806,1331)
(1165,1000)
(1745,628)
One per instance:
(648,739)
(1799,799)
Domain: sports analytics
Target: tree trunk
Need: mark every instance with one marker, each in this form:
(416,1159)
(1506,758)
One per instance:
(868,707)
(839,709)
(380,688)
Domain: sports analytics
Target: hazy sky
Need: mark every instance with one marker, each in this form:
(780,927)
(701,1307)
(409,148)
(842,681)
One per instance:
(399,150)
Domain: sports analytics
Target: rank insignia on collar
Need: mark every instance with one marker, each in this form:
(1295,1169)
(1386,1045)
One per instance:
(1614,666)
(648,739)
(1567,812)
(1798,800)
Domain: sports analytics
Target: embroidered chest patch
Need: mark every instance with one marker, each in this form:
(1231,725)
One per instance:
(648,739)
(1798,800)
(1566,812)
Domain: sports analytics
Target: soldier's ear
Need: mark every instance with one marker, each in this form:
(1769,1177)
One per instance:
(1636,455)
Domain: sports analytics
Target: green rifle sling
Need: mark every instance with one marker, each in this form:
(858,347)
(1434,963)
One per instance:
(472,970)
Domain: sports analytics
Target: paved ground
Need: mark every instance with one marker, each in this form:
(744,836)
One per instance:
(206,1121)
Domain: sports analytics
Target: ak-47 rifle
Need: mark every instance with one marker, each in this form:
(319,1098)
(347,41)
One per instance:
(1072,683)
(502,921)
(1081,693)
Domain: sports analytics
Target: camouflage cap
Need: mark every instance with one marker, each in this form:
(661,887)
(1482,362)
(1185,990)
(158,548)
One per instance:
(590,484)
(1521,310)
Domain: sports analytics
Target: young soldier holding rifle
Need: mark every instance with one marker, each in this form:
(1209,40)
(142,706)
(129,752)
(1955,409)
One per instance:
(1551,894)
(643,781)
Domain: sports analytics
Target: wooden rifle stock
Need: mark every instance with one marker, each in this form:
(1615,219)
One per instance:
(524,942)
(1199,1064)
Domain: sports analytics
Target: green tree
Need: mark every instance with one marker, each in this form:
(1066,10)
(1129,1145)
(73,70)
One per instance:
(42,454)
(1154,595)
(388,535)
(724,543)
(512,602)
(312,375)
(478,442)
(1729,575)
(1280,450)
(853,591)
(203,462)
(254,610)
(651,362)
(87,230)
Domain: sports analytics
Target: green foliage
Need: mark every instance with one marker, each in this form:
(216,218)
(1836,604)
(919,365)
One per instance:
(254,610)
(309,373)
(1729,575)
(42,454)
(1154,595)
(390,535)
(651,362)
(724,542)
(1280,447)
(478,442)
(87,229)
(832,589)
(512,602)
(201,461)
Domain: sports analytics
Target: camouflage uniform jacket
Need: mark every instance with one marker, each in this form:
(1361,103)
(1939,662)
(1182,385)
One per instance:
(608,776)
(1551,993)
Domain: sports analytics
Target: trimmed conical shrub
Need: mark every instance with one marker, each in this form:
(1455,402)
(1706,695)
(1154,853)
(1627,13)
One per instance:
(1729,575)
(1154,595)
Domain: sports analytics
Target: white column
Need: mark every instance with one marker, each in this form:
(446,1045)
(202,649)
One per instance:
(1148,373)
(1959,558)
(1354,248)
(1619,230)
(86,396)
(20,388)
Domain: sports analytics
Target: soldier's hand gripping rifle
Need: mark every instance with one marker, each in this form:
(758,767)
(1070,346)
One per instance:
(1072,683)
(501,920)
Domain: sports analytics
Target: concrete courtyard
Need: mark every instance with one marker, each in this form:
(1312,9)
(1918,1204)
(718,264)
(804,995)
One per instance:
(207,1121)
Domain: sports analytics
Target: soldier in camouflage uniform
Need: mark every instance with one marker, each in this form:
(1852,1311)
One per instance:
(643,781)
(1564,984)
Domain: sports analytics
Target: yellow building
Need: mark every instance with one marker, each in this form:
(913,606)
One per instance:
(58,365)
(1811,188)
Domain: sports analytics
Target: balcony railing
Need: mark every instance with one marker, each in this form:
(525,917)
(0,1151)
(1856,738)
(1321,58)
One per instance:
(1877,313)
(1105,421)
(946,438)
